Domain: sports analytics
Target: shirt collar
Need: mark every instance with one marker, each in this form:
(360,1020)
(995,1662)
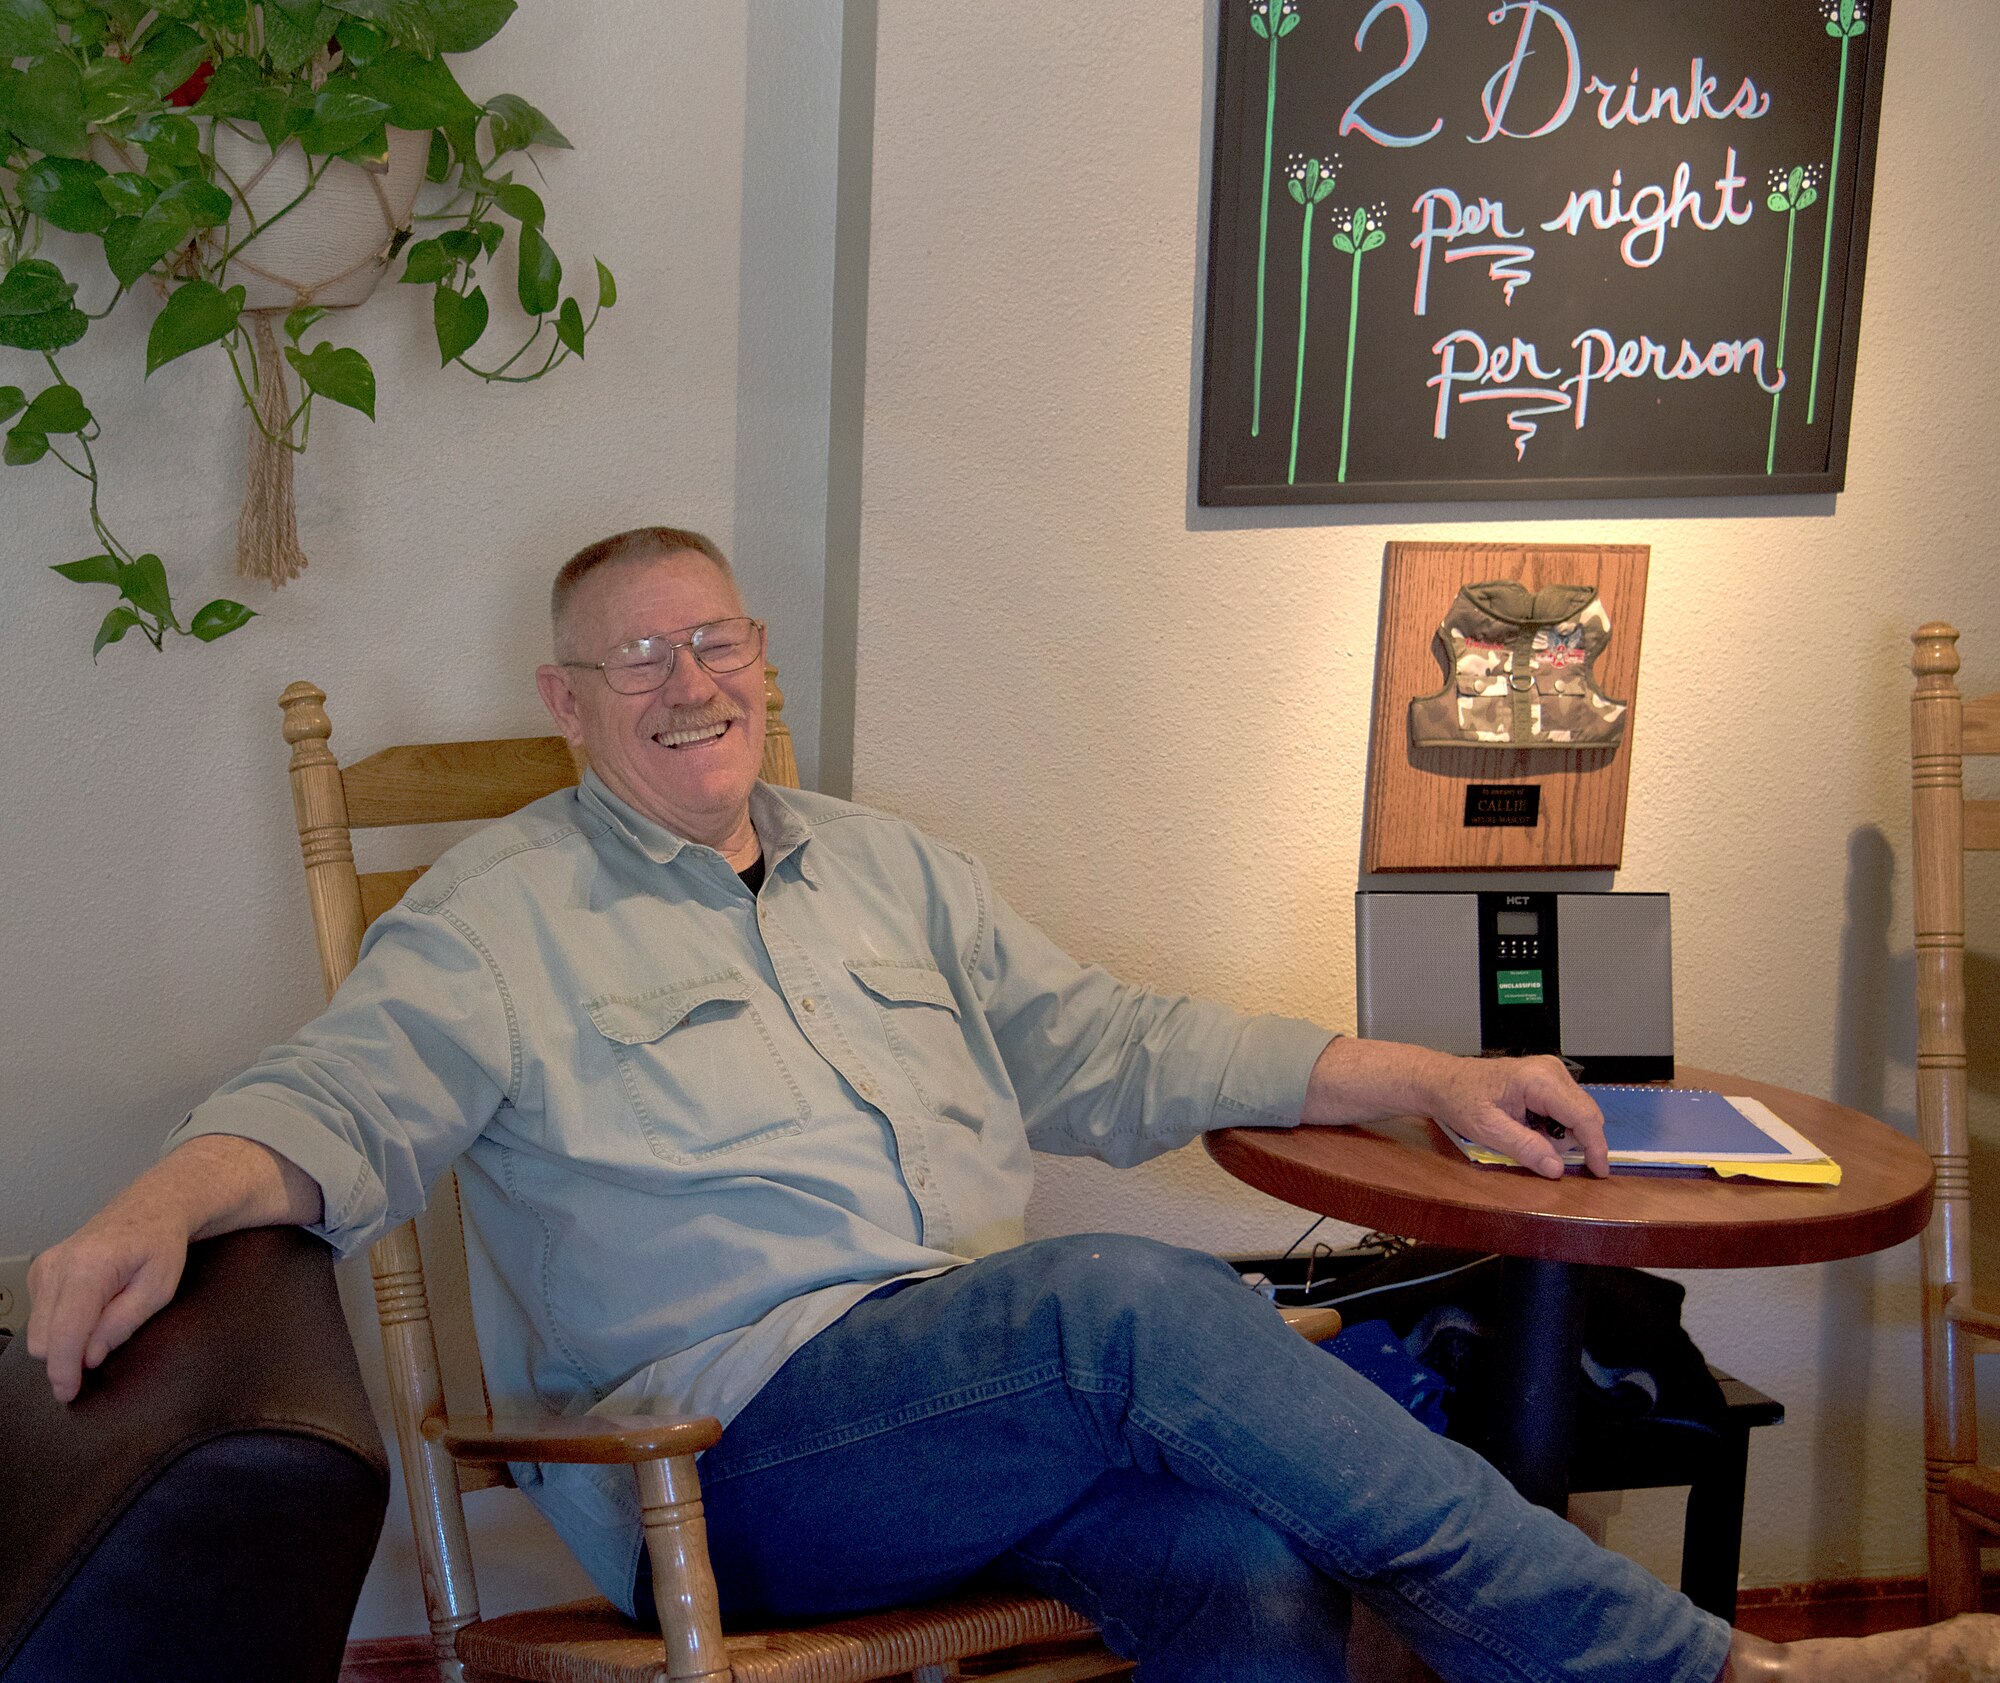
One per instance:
(780,829)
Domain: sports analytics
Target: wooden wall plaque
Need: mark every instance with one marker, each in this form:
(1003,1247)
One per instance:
(1417,797)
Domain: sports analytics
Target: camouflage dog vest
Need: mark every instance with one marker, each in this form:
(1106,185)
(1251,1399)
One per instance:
(1520,664)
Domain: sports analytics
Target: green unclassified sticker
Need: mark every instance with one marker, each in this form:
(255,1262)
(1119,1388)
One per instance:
(1520,987)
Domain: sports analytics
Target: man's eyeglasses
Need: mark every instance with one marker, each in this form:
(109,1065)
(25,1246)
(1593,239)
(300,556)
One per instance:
(722,645)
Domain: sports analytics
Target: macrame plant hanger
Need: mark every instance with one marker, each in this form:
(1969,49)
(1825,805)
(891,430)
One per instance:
(267,530)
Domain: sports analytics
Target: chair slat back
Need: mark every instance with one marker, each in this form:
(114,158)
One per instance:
(1943,730)
(412,785)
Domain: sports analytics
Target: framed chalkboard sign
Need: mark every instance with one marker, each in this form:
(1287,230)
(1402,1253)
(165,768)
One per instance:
(1480,249)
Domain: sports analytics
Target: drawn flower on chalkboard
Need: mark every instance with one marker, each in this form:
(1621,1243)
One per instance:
(1308,181)
(1356,232)
(1261,26)
(1260,18)
(1362,230)
(1792,191)
(1846,21)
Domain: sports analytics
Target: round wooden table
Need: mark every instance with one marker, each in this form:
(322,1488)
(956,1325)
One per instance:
(1403,1176)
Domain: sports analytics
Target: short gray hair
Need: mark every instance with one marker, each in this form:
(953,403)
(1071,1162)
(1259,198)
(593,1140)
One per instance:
(642,543)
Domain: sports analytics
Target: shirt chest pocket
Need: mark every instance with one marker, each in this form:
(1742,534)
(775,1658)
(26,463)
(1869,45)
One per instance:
(699,1067)
(920,1020)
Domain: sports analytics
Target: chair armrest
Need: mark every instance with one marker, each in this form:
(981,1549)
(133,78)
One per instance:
(599,1439)
(1963,1309)
(1313,1325)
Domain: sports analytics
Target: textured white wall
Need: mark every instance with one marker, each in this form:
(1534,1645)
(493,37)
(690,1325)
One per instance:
(1036,675)
(152,926)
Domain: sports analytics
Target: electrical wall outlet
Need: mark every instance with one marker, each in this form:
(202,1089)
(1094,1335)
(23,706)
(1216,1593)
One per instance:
(14,1292)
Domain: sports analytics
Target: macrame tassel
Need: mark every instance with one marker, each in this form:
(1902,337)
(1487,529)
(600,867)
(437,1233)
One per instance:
(267,532)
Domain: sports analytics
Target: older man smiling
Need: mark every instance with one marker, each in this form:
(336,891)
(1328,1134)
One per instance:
(742,1085)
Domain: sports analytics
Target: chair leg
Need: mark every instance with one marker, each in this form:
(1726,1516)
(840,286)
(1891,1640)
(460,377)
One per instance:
(1954,1556)
(1712,1534)
(684,1591)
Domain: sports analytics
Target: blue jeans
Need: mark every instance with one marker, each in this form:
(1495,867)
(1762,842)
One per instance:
(1120,1424)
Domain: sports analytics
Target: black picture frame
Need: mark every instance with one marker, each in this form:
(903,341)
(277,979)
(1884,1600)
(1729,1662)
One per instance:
(1650,351)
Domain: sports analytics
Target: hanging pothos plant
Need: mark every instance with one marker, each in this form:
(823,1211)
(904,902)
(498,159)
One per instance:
(250,165)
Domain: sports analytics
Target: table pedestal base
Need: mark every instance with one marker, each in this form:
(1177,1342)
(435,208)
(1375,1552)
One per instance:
(1541,1348)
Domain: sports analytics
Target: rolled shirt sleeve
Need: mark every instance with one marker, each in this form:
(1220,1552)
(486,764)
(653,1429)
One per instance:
(376,1096)
(1102,1069)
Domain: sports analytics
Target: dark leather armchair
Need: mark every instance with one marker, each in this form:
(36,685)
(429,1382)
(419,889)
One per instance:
(208,1506)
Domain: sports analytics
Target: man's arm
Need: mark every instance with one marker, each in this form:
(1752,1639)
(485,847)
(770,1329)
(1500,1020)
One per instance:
(93,1291)
(1485,1099)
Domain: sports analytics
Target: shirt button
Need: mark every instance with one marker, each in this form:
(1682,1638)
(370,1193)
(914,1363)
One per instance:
(809,1003)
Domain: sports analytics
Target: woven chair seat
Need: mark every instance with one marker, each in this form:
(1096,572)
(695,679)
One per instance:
(591,1642)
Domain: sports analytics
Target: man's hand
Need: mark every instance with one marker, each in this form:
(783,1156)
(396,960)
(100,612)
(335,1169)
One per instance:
(100,1285)
(1485,1099)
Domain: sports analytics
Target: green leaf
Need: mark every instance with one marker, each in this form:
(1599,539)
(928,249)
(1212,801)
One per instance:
(172,53)
(27,29)
(282,111)
(24,445)
(1776,202)
(461,25)
(461,245)
(232,91)
(418,93)
(124,255)
(516,124)
(438,165)
(371,152)
(302,318)
(60,408)
(337,374)
(1258,27)
(12,401)
(1312,179)
(539,281)
(219,618)
(92,569)
(569,325)
(45,108)
(197,313)
(116,624)
(63,193)
(459,318)
(342,116)
(1297,190)
(410,23)
(292,35)
(1374,239)
(1324,189)
(524,204)
(607,287)
(143,583)
(360,43)
(1291,23)
(169,138)
(127,194)
(112,90)
(230,16)
(1357,225)
(48,332)
(1340,240)
(489,235)
(33,287)
(428,262)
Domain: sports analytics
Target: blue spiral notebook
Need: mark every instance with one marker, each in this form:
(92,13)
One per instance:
(1690,1131)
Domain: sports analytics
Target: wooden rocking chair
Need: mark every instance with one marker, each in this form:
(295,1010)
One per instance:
(445,1454)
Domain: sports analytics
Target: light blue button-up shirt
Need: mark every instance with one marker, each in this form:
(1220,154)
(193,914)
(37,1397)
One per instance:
(694,1126)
